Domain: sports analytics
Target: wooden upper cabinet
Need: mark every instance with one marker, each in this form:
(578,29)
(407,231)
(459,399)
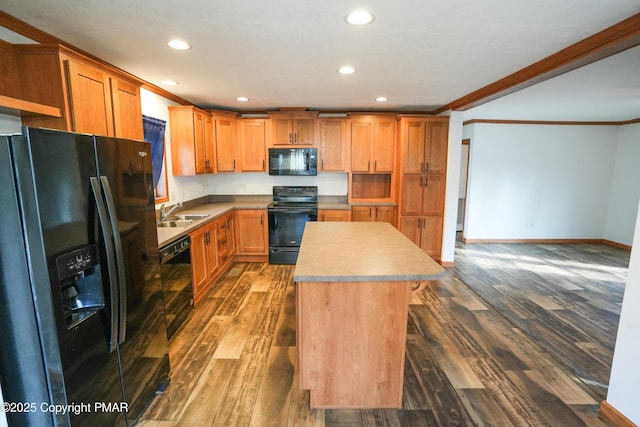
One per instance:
(295,128)
(252,144)
(373,144)
(225,142)
(436,148)
(127,110)
(191,140)
(90,93)
(423,143)
(92,98)
(333,137)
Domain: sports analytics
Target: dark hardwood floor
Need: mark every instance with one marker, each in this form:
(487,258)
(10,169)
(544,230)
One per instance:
(567,298)
(468,362)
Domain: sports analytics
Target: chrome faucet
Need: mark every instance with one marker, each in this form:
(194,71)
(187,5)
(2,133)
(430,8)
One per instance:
(164,215)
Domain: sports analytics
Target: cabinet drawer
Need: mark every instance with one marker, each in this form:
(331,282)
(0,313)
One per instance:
(222,229)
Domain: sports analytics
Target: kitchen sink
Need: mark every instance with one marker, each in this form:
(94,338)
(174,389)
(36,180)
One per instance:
(194,217)
(175,223)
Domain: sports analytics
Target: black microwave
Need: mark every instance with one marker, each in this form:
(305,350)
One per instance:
(293,161)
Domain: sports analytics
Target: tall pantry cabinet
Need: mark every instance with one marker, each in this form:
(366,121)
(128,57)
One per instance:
(423,167)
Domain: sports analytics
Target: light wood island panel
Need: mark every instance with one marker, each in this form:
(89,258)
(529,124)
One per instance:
(353,286)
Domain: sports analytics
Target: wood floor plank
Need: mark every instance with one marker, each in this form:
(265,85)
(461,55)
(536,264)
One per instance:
(237,407)
(285,333)
(206,397)
(232,344)
(272,404)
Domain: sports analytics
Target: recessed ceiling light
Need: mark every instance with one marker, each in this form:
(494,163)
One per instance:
(179,44)
(359,17)
(381,99)
(242,99)
(346,70)
(169,82)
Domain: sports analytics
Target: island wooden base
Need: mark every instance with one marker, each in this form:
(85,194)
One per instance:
(351,342)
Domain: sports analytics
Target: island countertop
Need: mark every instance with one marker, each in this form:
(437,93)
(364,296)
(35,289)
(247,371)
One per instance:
(361,251)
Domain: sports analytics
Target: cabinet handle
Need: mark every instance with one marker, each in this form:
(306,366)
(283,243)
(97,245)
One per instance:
(427,167)
(369,212)
(206,238)
(234,165)
(375,165)
(295,137)
(419,222)
(262,164)
(322,164)
(290,138)
(368,165)
(421,166)
(426,181)
(424,223)
(261,221)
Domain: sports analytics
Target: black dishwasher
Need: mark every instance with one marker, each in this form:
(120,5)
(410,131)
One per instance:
(175,265)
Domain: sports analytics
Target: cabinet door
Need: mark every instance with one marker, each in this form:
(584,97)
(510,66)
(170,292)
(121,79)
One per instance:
(411,226)
(433,195)
(212,252)
(282,131)
(251,135)
(304,131)
(431,241)
(251,232)
(411,195)
(362,213)
(209,145)
(127,110)
(361,140)
(225,142)
(199,142)
(231,242)
(385,214)
(412,145)
(383,146)
(333,145)
(90,94)
(199,256)
(436,158)
(331,215)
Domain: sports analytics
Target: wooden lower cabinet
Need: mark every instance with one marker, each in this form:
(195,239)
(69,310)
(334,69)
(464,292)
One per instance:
(374,213)
(213,248)
(424,231)
(334,215)
(252,238)
(225,232)
(204,259)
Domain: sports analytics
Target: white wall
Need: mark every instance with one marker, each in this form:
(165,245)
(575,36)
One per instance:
(454,153)
(625,187)
(334,184)
(539,181)
(625,372)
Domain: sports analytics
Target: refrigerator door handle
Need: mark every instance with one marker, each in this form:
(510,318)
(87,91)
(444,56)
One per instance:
(122,284)
(111,265)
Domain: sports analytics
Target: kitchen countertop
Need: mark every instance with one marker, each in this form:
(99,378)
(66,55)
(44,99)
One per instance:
(361,251)
(167,235)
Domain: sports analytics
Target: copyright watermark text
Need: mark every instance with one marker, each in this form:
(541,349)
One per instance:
(70,408)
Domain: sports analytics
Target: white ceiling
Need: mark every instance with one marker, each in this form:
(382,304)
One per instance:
(420,54)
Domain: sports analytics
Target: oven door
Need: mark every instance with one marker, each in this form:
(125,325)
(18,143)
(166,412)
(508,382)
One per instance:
(286,226)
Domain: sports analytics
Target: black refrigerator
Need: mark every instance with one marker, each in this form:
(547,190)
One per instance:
(84,339)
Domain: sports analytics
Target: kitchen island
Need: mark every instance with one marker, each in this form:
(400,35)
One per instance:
(354,282)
